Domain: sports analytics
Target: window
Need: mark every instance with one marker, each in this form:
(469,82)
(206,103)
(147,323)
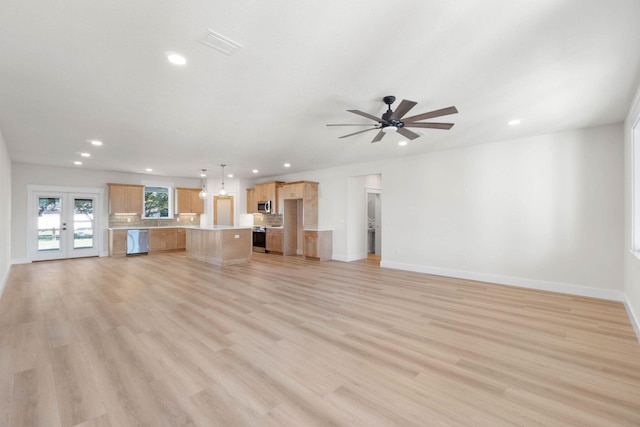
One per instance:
(157,202)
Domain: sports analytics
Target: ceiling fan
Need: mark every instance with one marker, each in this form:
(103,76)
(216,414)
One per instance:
(392,121)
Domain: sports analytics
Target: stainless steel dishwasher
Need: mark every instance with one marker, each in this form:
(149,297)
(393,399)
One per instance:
(137,241)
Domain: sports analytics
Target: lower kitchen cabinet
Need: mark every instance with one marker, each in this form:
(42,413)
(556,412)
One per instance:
(163,239)
(182,238)
(274,240)
(117,243)
(318,244)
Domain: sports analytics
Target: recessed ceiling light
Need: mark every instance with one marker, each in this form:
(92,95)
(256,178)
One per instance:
(149,170)
(85,154)
(176,59)
(287,165)
(230,175)
(203,175)
(255,171)
(514,122)
(402,143)
(95,142)
(77,162)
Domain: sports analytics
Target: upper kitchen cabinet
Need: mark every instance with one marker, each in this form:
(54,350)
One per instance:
(189,201)
(292,190)
(307,191)
(125,199)
(251,201)
(267,192)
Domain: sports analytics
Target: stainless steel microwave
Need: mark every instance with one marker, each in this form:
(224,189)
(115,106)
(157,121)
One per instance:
(264,207)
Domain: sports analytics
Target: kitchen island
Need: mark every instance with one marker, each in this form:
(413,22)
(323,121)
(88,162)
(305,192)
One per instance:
(219,245)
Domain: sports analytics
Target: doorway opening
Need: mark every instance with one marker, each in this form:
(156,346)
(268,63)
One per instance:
(223,210)
(374,223)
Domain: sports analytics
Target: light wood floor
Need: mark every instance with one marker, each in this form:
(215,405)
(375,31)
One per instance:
(163,340)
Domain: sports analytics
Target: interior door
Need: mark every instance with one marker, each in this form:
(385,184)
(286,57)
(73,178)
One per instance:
(65,225)
(223,210)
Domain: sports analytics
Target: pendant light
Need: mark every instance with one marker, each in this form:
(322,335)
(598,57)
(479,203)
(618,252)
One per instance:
(222,191)
(203,193)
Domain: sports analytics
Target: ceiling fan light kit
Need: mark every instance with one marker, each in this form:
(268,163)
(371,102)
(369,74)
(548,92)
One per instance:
(392,121)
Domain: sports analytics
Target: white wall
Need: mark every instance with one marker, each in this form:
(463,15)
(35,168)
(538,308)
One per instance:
(543,212)
(631,261)
(24,174)
(5,214)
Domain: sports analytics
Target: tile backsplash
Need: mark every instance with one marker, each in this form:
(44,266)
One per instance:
(268,220)
(136,221)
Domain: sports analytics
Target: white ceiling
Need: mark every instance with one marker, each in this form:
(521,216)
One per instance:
(77,70)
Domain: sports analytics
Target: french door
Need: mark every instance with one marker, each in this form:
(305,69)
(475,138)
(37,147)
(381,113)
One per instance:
(64,225)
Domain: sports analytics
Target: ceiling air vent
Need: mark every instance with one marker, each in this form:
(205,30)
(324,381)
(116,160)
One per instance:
(221,43)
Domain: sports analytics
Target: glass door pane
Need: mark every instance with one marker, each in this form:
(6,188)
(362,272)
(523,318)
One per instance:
(82,223)
(49,223)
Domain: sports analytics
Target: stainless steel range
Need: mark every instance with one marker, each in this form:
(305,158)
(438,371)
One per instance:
(259,239)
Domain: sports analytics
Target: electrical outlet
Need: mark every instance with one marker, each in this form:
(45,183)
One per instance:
(236,236)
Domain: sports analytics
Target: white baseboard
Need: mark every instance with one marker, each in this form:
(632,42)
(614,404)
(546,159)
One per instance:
(348,258)
(20,261)
(632,317)
(511,281)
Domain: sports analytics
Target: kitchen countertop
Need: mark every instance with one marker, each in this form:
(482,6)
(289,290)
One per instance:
(198,227)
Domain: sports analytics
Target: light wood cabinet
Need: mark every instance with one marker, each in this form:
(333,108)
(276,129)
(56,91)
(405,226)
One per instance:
(267,191)
(292,190)
(163,239)
(308,192)
(188,201)
(318,244)
(251,201)
(117,243)
(310,205)
(274,240)
(181,238)
(124,198)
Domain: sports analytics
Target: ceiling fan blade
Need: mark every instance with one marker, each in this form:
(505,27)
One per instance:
(407,133)
(378,137)
(367,115)
(432,114)
(350,124)
(402,109)
(430,125)
(360,131)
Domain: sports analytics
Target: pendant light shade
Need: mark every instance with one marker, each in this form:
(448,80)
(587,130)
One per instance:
(203,193)
(222,191)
